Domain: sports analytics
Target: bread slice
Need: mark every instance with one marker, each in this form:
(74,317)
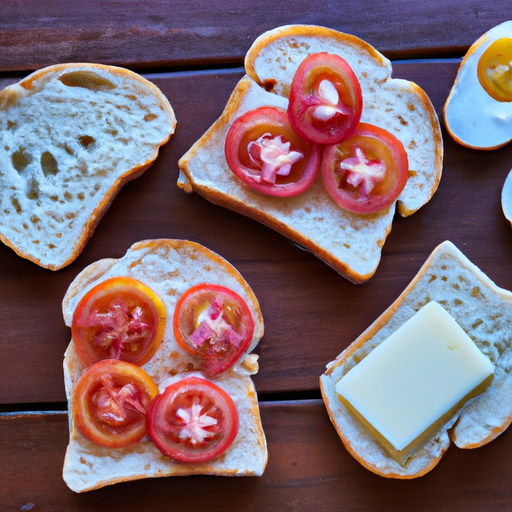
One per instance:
(484,311)
(169,267)
(71,136)
(348,242)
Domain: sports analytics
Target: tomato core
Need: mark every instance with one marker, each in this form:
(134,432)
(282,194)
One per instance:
(264,152)
(273,156)
(325,99)
(110,401)
(366,172)
(193,420)
(215,324)
(120,318)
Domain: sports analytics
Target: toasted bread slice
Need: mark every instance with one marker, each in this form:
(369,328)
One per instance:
(71,136)
(348,242)
(169,267)
(484,311)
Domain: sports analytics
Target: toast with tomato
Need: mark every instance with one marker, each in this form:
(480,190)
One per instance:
(484,312)
(71,136)
(158,372)
(313,102)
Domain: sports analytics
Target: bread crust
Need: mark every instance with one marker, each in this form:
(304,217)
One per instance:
(169,267)
(51,223)
(478,306)
(349,243)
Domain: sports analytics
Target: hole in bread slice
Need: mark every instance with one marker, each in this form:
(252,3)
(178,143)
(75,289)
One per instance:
(20,159)
(49,164)
(86,141)
(87,80)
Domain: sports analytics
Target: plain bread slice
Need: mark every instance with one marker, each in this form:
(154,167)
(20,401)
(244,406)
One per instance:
(71,136)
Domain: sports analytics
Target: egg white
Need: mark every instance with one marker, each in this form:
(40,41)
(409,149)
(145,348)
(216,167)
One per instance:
(471,116)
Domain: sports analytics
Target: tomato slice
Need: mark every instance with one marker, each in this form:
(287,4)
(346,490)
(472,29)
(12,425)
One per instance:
(325,99)
(193,420)
(215,324)
(265,153)
(367,172)
(120,318)
(110,401)
(495,69)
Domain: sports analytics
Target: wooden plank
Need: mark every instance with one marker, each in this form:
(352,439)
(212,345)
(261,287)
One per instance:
(306,325)
(308,469)
(160,33)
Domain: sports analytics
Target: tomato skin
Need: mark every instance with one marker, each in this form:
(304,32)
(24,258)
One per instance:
(245,133)
(119,318)
(96,387)
(495,71)
(378,146)
(193,313)
(193,420)
(342,98)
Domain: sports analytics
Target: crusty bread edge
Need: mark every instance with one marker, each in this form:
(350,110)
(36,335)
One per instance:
(438,140)
(302,30)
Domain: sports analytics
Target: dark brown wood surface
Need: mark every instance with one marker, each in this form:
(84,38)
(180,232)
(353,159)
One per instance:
(161,33)
(193,51)
(308,470)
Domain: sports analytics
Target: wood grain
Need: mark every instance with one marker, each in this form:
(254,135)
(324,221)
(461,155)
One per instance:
(308,469)
(311,313)
(184,33)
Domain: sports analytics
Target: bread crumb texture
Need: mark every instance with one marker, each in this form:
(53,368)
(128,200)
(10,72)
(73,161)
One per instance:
(70,136)
(350,243)
(169,267)
(484,311)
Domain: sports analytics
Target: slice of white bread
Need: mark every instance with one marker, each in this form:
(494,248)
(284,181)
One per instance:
(484,311)
(71,136)
(348,242)
(169,267)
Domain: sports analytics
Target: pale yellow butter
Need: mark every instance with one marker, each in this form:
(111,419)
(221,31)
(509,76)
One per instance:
(415,381)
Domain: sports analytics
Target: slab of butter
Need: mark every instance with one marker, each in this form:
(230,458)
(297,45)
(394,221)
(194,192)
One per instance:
(415,381)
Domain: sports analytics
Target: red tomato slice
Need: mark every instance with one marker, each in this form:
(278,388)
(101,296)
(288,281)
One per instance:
(267,155)
(110,401)
(367,172)
(215,324)
(193,420)
(325,99)
(120,318)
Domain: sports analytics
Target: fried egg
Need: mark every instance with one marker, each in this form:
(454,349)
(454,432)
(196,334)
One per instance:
(478,111)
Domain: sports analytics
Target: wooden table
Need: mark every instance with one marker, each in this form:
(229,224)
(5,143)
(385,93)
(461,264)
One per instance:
(193,50)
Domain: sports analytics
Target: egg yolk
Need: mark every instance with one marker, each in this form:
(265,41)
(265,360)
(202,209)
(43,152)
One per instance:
(495,69)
